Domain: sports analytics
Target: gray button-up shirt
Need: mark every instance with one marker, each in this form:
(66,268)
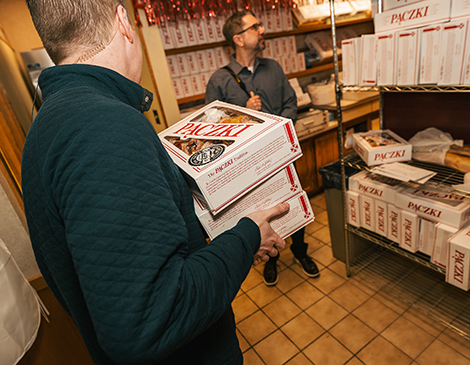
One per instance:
(267,80)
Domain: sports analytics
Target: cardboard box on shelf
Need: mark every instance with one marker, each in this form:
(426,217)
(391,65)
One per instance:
(429,56)
(173,66)
(178,35)
(193,63)
(349,62)
(200,31)
(381,221)
(394,223)
(414,15)
(441,244)
(386,59)
(183,64)
(381,146)
(392,4)
(407,57)
(409,231)
(458,264)
(178,87)
(451,55)
(225,150)
(190,32)
(166,36)
(187,85)
(367,210)
(460,9)
(439,206)
(374,185)
(284,186)
(368,64)
(311,121)
(426,236)
(353,207)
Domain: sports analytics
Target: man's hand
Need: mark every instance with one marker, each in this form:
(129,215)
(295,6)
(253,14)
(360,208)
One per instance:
(270,240)
(254,102)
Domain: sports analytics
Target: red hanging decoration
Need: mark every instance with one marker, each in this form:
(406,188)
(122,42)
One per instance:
(163,11)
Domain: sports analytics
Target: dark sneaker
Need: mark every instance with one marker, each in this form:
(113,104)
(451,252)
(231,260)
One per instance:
(308,266)
(270,273)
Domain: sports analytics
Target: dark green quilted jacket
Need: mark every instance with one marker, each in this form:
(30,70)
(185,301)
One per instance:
(114,232)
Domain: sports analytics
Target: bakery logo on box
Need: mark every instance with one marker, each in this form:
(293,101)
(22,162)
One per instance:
(370,190)
(394,224)
(353,209)
(459,266)
(381,219)
(448,198)
(206,137)
(420,12)
(389,155)
(407,225)
(367,214)
(424,209)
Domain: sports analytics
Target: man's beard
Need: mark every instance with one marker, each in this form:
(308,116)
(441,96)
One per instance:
(261,46)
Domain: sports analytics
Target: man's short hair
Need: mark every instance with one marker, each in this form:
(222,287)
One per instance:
(233,25)
(66,27)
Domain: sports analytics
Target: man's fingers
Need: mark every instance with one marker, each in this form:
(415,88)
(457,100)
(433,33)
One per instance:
(252,93)
(276,210)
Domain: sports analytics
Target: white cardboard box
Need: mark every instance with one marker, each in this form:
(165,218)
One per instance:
(458,268)
(276,43)
(426,236)
(441,244)
(166,36)
(460,9)
(178,35)
(269,50)
(392,4)
(429,54)
(211,59)
(291,45)
(187,85)
(178,87)
(211,31)
(381,221)
(205,76)
(190,32)
(394,223)
(381,146)
(466,58)
(173,66)
(196,83)
(353,207)
(281,187)
(449,208)
(301,61)
(221,57)
(385,59)
(349,62)
(374,185)
(320,43)
(183,64)
(409,231)
(368,64)
(200,30)
(414,15)
(452,52)
(287,23)
(193,63)
(226,150)
(201,58)
(407,57)
(367,213)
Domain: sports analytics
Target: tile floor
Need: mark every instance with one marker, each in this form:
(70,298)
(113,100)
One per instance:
(334,319)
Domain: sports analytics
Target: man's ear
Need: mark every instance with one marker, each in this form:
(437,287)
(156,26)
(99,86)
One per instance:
(124,24)
(238,40)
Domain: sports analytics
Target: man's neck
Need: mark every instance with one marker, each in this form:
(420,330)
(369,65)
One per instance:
(246,59)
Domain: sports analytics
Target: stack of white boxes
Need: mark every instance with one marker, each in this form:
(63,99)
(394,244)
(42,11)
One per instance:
(237,161)
(421,219)
(422,42)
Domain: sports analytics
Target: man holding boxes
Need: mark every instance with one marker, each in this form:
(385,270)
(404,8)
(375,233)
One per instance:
(262,85)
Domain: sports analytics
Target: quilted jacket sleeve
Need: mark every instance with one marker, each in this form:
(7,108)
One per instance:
(148,277)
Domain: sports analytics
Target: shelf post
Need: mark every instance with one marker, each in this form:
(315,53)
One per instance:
(340,133)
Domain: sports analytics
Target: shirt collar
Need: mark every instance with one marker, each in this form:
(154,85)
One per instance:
(237,67)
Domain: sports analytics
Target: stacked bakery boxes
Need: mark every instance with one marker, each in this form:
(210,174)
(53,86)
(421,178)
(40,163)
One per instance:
(427,217)
(415,42)
(237,161)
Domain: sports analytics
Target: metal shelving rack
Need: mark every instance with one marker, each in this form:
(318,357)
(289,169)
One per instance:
(417,282)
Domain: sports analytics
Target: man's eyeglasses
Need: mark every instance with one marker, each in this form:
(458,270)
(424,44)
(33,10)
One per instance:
(255,27)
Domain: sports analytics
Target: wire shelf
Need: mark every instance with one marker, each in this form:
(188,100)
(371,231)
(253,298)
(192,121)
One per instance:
(416,285)
(414,88)
(418,257)
(445,176)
